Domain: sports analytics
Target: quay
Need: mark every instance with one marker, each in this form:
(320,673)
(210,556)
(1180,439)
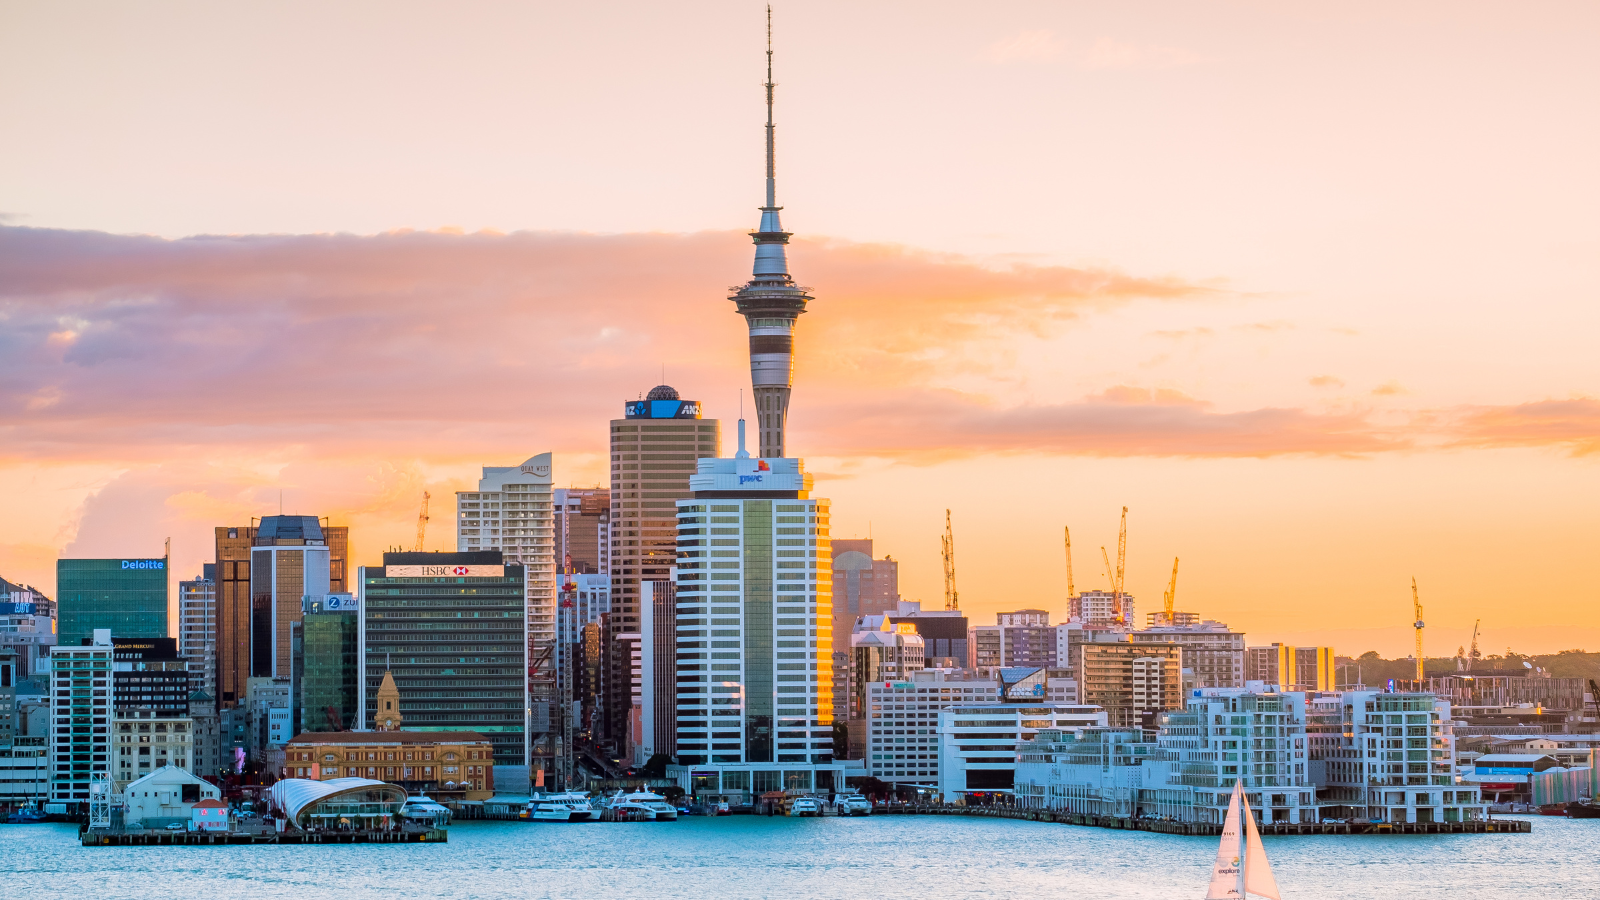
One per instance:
(1208,829)
(147,837)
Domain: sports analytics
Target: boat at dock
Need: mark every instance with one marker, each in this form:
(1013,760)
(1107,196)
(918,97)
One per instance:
(28,815)
(1583,810)
(422,808)
(640,806)
(572,806)
(805,806)
(1241,870)
(853,805)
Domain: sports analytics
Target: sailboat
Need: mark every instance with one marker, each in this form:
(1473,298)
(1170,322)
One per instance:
(1241,870)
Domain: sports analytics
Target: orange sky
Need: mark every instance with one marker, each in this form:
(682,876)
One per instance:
(1311,290)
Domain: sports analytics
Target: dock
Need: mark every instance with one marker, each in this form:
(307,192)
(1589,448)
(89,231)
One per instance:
(143,838)
(1209,829)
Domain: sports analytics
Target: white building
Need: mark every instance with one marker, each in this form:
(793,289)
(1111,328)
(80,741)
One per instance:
(978,741)
(165,796)
(25,771)
(1246,734)
(197,630)
(1390,757)
(1212,651)
(1098,608)
(80,702)
(754,620)
(1093,771)
(513,511)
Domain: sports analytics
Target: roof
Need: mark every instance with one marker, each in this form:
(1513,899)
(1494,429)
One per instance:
(296,796)
(289,528)
(1512,757)
(210,803)
(168,774)
(389,737)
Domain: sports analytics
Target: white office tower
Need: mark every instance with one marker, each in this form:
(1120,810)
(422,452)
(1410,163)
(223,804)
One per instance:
(754,622)
(512,511)
(80,699)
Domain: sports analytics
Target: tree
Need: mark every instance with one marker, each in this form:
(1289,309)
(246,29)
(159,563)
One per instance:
(656,766)
(672,793)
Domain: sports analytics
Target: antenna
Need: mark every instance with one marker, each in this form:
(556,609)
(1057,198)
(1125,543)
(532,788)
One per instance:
(772,184)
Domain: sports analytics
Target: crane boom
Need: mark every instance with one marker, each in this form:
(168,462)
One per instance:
(1072,590)
(1122,559)
(1472,654)
(951,599)
(1416,605)
(422,523)
(1170,598)
(1110,574)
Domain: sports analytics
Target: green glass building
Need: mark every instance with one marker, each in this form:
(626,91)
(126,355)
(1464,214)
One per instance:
(128,596)
(328,664)
(453,630)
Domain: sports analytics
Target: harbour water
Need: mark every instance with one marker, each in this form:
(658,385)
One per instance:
(748,857)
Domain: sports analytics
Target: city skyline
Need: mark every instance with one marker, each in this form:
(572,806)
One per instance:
(1308,414)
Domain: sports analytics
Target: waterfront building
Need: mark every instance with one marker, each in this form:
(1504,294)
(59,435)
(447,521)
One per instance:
(446,765)
(512,513)
(583,530)
(862,586)
(1099,609)
(1095,772)
(327,672)
(977,741)
(197,628)
(1256,736)
(1133,683)
(1289,668)
(126,596)
(1212,651)
(25,770)
(258,593)
(1390,757)
(147,742)
(80,703)
(165,796)
(451,628)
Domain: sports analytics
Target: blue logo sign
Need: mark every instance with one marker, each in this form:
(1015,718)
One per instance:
(746,479)
(144,564)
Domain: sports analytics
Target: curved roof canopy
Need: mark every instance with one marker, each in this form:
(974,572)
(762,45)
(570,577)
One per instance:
(302,798)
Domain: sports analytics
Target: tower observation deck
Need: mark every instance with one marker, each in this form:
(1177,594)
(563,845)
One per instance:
(770,302)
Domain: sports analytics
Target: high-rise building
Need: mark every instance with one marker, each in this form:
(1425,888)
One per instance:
(451,628)
(1213,652)
(888,652)
(197,628)
(1020,638)
(1131,682)
(755,660)
(512,513)
(583,530)
(1291,668)
(254,620)
(862,586)
(150,707)
(943,631)
(1099,608)
(658,668)
(27,625)
(80,722)
(328,664)
(128,597)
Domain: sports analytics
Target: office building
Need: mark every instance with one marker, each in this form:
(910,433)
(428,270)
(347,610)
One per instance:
(583,530)
(1211,651)
(197,628)
(881,652)
(451,628)
(943,632)
(1099,609)
(1020,638)
(147,742)
(658,663)
(205,743)
(25,771)
(977,741)
(128,597)
(512,514)
(80,704)
(1133,683)
(9,706)
(255,614)
(1291,668)
(755,660)
(862,586)
(327,672)
(27,625)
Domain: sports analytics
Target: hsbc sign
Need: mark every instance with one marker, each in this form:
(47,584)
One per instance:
(444,571)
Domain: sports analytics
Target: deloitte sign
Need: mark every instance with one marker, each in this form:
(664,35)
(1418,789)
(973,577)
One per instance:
(144,564)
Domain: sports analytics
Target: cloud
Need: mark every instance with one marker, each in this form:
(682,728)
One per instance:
(1573,423)
(1324,381)
(1108,53)
(1025,46)
(1389,389)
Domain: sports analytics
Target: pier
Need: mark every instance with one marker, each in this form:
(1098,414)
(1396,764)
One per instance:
(1209,829)
(143,838)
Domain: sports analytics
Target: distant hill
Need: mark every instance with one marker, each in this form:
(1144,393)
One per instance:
(1374,670)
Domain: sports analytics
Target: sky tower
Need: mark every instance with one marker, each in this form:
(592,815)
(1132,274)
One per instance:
(770,302)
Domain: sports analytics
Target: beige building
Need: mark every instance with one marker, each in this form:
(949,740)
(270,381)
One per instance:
(1213,652)
(1129,680)
(448,765)
(1291,668)
(144,744)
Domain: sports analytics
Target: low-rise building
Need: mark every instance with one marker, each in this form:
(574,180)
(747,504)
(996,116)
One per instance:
(1095,772)
(24,771)
(1250,735)
(456,765)
(1213,651)
(166,796)
(978,741)
(147,743)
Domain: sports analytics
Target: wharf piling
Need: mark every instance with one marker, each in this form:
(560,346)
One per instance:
(1207,829)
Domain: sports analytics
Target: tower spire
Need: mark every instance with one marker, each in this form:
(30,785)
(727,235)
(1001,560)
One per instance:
(770,301)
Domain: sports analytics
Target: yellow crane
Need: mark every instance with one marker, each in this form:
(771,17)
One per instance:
(422,523)
(1122,559)
(1170,598)
(1472,654)
(951,600)
(1416,605)
(1072,591)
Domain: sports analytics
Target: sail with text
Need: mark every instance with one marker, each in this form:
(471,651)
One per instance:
(1241,869)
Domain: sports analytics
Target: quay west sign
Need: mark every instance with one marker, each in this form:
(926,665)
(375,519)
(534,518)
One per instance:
(444,571)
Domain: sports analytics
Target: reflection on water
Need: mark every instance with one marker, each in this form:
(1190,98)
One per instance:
(747,857)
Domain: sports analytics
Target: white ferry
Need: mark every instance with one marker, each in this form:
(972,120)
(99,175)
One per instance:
(572,806)
(423,809)
(805,806)
(853,805)
(641,806)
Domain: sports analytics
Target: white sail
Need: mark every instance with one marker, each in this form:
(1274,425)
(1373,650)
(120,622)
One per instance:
(1258,878)
(1225,881)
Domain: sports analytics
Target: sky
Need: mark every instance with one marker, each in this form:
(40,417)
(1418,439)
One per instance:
(1311,290)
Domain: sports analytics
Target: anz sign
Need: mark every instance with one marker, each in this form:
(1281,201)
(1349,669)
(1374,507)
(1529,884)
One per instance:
(662,409)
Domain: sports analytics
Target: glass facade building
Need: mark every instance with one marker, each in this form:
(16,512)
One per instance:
(452,630)
(329,665)
(127,596)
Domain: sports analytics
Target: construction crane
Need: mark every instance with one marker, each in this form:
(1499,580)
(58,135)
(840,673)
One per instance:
(1416,605)
(951,600)
(1472,654)
(422,523)
(1072,590)
(1111,575)
(1122,559)
(1170,598)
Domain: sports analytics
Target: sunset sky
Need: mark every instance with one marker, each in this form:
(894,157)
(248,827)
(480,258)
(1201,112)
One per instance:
(1313,289)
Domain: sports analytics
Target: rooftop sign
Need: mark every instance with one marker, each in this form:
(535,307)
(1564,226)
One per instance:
(444,571)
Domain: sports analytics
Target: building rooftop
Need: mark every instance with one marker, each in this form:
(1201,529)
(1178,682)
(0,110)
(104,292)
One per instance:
(290,528)
(389,737)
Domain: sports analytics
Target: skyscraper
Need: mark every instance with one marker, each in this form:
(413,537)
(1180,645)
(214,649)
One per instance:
(583,530)
(127,596)
(770,302)
(197,628)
